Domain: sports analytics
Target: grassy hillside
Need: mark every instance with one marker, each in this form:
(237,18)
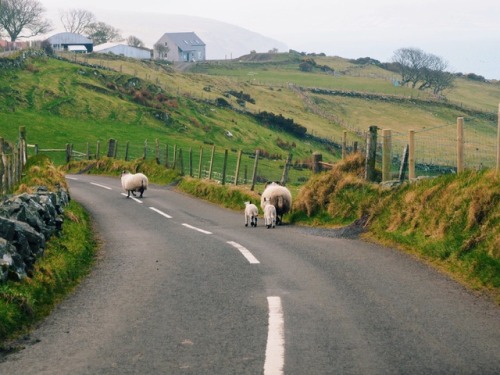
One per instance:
(134,101)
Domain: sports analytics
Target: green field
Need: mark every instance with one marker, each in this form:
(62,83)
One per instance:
(68,102)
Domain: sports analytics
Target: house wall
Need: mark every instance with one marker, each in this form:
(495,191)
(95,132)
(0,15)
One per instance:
(127,51)
(188,53)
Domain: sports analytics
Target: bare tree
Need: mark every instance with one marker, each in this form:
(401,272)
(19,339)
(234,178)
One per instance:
(134,41)
(18,16)
(425,69)
(101,33)
(76,20)
(161,50)
(410,61)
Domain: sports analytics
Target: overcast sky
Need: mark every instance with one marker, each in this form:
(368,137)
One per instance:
(465,33)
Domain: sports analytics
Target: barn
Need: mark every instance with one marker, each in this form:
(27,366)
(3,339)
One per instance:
(122,49)
(70,42)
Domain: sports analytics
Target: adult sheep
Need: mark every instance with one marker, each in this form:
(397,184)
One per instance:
(251,213)
(279,196)
(132,182)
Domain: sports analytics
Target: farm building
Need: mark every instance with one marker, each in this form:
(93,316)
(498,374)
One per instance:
(185,46)
(122,49)
(70,42)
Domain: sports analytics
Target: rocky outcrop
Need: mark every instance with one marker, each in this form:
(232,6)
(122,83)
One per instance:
(27,221)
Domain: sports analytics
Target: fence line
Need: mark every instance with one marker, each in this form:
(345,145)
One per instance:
(13,157)
(424,152)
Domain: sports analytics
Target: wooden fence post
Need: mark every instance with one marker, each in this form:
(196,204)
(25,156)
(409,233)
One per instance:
(386,154)
(317,159)
(157,151)
(68,152)
(87,155)
(237,172)
(355,147)
(145,154)
(127,146)
(254,176)
(166,156)
(2,167)
(224,165)
(498,143)
(344,144)
(284,176)
(111,147)
(404,164)
(371,153)
(181,162)
(190,162)
(23,150)
(98,150)
(200,164)
(411,155)
(460,144)
(211,163)
(174,165)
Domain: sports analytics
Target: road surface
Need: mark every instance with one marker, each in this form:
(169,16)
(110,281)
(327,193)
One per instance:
(182,287)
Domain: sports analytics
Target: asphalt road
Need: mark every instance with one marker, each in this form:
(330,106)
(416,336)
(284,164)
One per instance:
(182,287)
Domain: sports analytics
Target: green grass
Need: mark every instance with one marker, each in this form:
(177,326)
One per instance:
(67,258)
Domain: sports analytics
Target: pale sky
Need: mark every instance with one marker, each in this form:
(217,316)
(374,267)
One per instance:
(463,32)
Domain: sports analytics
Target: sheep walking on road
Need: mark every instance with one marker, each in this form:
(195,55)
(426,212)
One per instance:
(132,183)
(278,196)
(270,216)
(251,213)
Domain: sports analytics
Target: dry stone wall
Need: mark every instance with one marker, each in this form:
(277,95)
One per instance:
(27,221)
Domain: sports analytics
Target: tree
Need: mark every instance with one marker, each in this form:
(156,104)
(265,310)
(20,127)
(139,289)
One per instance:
(135,41)
(161,50)
(425,69)
(77,20)
(101,33)
(410,61)
(18,16)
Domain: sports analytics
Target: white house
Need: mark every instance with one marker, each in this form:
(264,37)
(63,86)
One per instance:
(122,49)
(70,42)
(185,46)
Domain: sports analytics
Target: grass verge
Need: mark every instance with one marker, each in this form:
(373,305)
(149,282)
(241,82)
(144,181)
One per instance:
(68,257)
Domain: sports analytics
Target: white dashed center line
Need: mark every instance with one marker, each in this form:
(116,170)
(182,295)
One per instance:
(101,186)
(161,212)
(275,349)
(245,252)
(132,197)
(197,229)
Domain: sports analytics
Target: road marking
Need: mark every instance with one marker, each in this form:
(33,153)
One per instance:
(102,186)
(72,178)
(246,253)
(198,229)
(275,349)
(161,212)
(132,197)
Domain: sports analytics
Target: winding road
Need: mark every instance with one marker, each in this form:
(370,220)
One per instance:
(182,287)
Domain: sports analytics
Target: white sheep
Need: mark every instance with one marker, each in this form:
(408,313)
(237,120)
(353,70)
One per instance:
(279,196)
(251,212)
(270,216)
(134,182)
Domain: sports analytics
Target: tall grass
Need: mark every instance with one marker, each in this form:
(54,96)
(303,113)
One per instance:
(452,221)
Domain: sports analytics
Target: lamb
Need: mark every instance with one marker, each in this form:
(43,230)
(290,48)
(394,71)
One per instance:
(279,196)
(270,216)
(251,212)
(134,182)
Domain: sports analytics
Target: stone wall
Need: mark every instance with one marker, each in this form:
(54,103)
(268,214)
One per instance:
(27,221)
